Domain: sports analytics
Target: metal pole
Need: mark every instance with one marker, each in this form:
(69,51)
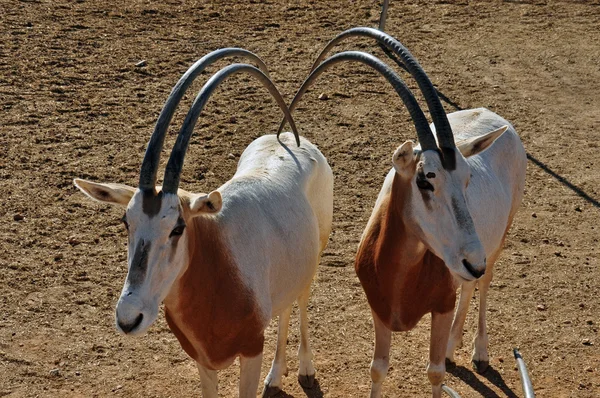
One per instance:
(383,15)
(449,391)
(525,380)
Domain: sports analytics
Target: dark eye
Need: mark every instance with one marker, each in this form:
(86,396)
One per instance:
(424,185)
(124,221)
(177,231)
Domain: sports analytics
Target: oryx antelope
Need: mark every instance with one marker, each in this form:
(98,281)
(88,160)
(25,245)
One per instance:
(440,219)
(225,263)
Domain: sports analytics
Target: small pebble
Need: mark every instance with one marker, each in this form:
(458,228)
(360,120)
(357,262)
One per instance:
(587,342)
(323,97)
(55,372)
(141,63)
(581,305)
(18,217)
(77,373)
(231,156)
(533,215)
(541,307)
(73,241)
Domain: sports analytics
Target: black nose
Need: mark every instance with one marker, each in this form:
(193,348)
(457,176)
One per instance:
(128,327)
(476,274)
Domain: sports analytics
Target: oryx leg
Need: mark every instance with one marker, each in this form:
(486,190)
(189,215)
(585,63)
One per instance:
(440,332)
(249,375)
(209,382)
(381,356)
(480,358)
(456,334)
(279,367)
(306,371)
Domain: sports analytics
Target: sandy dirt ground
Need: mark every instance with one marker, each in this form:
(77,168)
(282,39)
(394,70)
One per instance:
(75,105)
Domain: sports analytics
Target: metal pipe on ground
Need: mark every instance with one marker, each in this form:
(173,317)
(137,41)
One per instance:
(525,380)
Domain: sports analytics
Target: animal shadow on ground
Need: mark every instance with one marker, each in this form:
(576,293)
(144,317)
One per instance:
(491,374)
(313,392)
(580,192)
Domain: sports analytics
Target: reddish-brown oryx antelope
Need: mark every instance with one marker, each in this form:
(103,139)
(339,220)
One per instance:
(440,219)
(227,262)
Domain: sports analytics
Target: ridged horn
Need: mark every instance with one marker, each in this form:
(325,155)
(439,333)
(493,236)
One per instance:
(149,167)
(424,133)
(175,163)
(438,114)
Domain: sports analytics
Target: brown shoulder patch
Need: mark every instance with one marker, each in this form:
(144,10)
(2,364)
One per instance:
(214,303)
(400,294)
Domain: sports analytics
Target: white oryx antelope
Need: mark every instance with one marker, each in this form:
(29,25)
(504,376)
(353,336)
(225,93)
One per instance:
(440,219)
(225,263)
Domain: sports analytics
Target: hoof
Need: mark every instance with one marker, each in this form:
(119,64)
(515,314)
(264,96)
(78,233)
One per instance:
(269,392)
(480,366)
(306,381)
(450,364)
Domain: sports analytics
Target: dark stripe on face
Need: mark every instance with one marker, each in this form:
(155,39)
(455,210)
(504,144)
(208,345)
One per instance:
(151,202)
(448,158)
(139,264)
(463,218)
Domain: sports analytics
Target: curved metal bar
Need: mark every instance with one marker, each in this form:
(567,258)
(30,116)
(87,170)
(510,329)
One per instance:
(421,125)
(383,15)
(149,167)
(449,391)
(175,164)
(524,375)
(438,114)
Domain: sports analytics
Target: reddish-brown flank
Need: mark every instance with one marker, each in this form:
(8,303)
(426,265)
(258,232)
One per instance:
(400,293)
(213,302)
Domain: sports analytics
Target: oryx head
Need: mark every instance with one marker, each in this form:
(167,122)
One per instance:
(159,219)
(436,176)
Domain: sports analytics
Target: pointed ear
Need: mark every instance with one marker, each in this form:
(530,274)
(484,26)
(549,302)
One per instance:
(404,159)
(108,193)
(475,145)
(203,204)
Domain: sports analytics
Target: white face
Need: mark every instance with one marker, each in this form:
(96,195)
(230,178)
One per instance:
(157,242)
(437,211)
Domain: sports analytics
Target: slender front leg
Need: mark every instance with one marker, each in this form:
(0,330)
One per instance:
(480,358)
(279,367)
(456,335)
(210,383)
(440,332)
(381,356)
(306,371)
(250,375)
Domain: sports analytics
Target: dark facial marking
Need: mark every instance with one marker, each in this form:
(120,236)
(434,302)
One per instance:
(448,158)
(422,182)
(151,202)
(139,264)
(462,217)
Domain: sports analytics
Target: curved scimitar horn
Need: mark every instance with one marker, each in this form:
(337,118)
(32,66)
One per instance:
(421,125)
(152,157)
(440,120)
(175,164)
